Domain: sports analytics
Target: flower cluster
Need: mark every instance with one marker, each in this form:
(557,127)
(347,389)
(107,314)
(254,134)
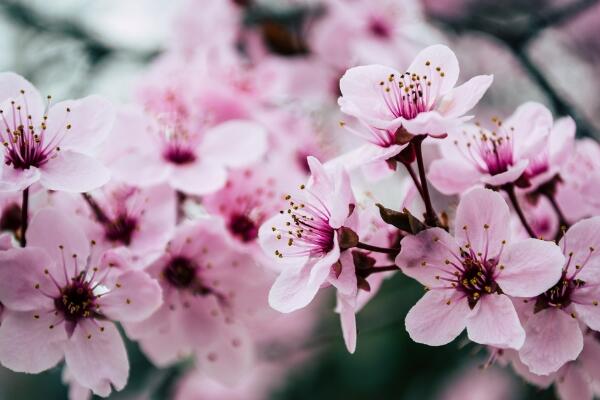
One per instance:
(202,220)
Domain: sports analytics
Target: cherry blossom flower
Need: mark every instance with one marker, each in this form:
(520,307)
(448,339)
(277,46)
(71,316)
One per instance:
(193,162)
(304,237)
(50,144)
(208,288)
(555,317)
(470,276)
(420,101)
(62,300)
(517,149)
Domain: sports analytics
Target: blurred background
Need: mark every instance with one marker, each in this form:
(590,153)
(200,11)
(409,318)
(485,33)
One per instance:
(543,50)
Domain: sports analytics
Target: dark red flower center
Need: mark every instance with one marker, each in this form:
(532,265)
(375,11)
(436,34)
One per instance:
(121,229)
(243,227)
(76,301)
(476,278)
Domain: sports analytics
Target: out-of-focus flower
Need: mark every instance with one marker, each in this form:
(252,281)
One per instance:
(304,237)
(61,300)
(394,106)
(524,148)
(474,383)
(553,330)
(470,276)
(50,144)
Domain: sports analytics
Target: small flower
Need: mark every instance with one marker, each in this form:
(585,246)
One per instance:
(394,106)
(61,301)
(470,276)
(50,144)
(191,161)
(554,335)
(304,236)
(525,148)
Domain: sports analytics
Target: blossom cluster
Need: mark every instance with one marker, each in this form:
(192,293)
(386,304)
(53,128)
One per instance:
(203,219)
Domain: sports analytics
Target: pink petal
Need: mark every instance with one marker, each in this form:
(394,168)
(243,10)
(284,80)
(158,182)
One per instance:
(512,174)
(590,356)
(135,298)
(73,172)
(127,169)
(366,154)
(235,143)
(438,318)
(199,178)
(583,241)
(452,176)
(345,283)
(11,85)
(201,320)
(423,256)
(532,123)
(464,97)
(267,238)
(553,339)
(13,180)
(529,267)
(296,286)
(61,238)
(482,221)
(23,284)
(426,62)
(495,322)
(431,123)
(583,303)
(573,384)
(348,321)
(91,119)
(27,344)
(96,357)
(562,140)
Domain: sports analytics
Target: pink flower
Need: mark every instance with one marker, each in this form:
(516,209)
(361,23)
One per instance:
(473,383)
(524,148)
(555,317)
(304,237)
(50,144)
(61,300)
(208,287)
(193,162)
(470,276)
(422,100)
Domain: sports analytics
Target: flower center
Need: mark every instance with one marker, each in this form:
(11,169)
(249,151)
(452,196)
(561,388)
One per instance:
(243,227)
(76,301)
(180,272)
(406,96)
(558,296)
(476,278)
(121,229)
(379,28)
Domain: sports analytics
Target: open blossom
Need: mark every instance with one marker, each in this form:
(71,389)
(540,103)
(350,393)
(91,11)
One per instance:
(470,276)
(193,162)
(208,288)
(419,101)
(304,237)
(526,148)
(50,144)
(555,317)
(61,301)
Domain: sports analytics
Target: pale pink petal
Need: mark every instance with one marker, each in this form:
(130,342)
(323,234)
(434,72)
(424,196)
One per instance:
(6,241)
(73,172)
(585,302)
(127,169)
(512,174)
(296,286)
(134,297)
(28,344)
(235,143)
(348,322)
(364,155)
(199,178)
(573,384)
(495,322)
(482,221)
(427,62)
(464,97)
(553,339)
(61,238)
(590,357)
(531,123)
(583,241)
(423,256)
(437,318)
(200,318)
(23,284)
(452,176)
(562,140)
(11,86)
(14,180)
(96,357)
(345,282)
(529,267)
(230,358)
(431,123)
(91,119)
(267,237)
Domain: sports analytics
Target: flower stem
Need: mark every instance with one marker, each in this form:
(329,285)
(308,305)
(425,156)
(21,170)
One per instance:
(562,221)
(24,217)
(414,178)
(98,213)
(510,191)
(430,216)
(376,249)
